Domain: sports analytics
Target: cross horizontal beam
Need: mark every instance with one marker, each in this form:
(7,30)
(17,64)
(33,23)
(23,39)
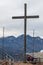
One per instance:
(21,17)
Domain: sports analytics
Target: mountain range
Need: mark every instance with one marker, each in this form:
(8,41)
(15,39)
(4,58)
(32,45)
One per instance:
(15,45)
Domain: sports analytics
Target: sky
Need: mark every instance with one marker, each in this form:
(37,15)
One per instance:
(9,8)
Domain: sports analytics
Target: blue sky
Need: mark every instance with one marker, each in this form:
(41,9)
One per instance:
(9,8)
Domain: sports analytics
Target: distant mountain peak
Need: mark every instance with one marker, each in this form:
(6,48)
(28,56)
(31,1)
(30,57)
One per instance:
(17,43)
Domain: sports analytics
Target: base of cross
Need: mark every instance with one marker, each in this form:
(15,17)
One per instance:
(24,61)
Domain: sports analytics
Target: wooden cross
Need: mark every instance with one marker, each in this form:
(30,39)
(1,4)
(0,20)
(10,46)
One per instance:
(25,17)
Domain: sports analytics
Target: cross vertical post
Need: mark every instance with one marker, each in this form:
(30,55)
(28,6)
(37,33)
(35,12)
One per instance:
(25,17)
(25,33)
